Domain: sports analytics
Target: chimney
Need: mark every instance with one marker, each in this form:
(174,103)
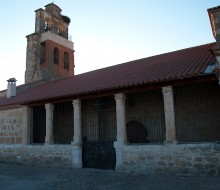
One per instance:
(11,90)
(214,16)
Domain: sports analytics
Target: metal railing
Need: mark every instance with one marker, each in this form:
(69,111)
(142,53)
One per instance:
(54,30)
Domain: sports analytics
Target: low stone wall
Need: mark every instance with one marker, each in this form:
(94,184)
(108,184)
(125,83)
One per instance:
(38,155)
(187,159)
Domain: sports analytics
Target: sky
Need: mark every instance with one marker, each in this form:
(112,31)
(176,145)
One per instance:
(106,32)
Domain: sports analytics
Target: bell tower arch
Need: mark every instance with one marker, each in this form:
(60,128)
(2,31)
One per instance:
(49,48)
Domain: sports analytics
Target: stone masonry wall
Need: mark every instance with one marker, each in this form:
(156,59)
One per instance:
(187,159)
(11,122)
(38,155)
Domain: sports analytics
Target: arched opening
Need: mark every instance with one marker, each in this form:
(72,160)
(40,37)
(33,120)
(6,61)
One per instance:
(56,56)
(46,26)
(66,60)
(136,132)
(42,53)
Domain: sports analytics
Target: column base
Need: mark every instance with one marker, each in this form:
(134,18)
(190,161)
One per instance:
(76,156)
(49,143)
(171,142)
(118,150)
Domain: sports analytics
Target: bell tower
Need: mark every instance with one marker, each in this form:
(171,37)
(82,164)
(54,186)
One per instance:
(50,53)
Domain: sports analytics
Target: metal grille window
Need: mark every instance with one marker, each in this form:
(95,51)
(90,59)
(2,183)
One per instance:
(99,133)
(39,124)
(197,112)
(145,117)
(99,120)
(63,123)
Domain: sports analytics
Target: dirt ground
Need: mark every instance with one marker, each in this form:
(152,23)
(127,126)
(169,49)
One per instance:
(40,178)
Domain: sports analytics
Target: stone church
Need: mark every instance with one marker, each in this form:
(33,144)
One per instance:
(159,114)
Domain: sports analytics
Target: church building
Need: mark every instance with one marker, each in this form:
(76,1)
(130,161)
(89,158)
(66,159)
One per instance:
(159,114)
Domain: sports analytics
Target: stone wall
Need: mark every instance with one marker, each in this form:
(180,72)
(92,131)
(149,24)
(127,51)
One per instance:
(187,159)
(38,155)
(11,123)
(33,54)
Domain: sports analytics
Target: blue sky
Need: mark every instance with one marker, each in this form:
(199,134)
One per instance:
(106,32)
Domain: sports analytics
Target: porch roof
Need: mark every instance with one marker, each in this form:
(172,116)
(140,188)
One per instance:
(181,64)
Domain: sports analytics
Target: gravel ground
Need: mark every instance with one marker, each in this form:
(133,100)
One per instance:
(40,178)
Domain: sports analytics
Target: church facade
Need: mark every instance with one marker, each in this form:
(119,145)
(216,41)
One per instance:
(154,115)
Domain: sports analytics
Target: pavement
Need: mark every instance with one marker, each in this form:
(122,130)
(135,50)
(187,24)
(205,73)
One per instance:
(20,177)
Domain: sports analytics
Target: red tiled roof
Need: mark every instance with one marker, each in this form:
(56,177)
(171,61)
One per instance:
(176,65)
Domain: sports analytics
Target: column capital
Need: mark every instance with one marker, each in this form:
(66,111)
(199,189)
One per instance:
(49,106)
(167,90)
(76,102)
(120,96)
(25,108)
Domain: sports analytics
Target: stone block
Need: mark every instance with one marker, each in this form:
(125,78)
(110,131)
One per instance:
(20,132)
(212,172)
(189,164)
(8,140)
(218,170)
(166,158)
(150,157)
(209,166)
(199,166)
(198,159)
(142,158)
(12,140)
(162,163)
(18,140)
(180,163)
(4,127)
(16,134)
(212,159)
(1,140)
(217,147)
(194,149)
(170,164)
(170,170)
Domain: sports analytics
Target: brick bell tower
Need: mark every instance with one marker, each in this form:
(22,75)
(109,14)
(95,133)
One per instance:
(50,53)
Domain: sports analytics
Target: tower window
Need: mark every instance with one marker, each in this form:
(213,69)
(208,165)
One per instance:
(56,56)
(66,60)
(42,53)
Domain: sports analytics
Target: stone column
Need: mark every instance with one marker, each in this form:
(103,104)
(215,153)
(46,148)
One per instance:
(49,124)
(77,138)
(27,124)
(169,115)
(121,128)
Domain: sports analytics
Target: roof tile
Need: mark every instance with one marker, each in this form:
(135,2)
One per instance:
(175,65)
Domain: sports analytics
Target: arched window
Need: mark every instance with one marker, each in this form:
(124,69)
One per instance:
(46,26)
(66,60)
(42,53)
(136,132)
(56,56)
